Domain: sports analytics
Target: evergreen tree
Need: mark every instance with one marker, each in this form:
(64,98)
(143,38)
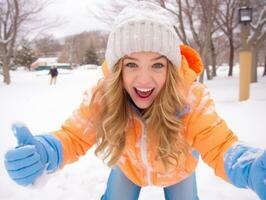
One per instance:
(91,57)
(25,56)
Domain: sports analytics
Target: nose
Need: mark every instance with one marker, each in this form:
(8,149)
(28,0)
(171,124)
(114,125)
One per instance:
(144,76)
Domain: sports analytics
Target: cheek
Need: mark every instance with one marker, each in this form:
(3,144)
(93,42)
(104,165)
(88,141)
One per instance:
(127,80)
(160,80)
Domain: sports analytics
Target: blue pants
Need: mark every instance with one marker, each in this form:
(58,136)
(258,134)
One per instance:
(120,187)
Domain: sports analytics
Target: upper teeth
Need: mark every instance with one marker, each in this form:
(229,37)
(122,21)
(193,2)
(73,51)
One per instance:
(144,89)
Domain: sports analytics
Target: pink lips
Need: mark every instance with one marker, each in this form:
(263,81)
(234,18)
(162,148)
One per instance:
(143,94)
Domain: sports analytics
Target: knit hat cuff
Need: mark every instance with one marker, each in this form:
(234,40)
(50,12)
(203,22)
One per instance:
(141,34)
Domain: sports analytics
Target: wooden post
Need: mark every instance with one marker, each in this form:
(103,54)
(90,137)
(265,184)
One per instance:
(245,60)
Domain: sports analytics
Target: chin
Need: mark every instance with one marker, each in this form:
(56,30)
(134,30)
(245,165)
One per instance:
(143,105)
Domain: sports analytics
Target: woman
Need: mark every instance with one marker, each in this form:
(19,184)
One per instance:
(148,118)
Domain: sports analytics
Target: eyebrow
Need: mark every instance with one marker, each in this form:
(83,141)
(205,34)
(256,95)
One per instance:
(156,58)
(159,57)
(131,58)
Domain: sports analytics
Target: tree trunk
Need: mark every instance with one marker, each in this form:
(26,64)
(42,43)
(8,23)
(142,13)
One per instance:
(264,73)
(254,61)
(206,61)
(231,56)
(6,63)
(207,44)
(213,59)
(201,78)
(208,71)
(6,74)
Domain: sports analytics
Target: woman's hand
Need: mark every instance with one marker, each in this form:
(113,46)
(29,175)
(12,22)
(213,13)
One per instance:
(33,155)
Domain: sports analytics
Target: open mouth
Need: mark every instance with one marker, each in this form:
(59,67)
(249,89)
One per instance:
(143,92)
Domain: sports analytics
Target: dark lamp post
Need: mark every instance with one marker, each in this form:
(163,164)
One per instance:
(245,18)
(245,15)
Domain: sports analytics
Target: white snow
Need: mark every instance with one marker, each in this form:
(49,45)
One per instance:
(43,108)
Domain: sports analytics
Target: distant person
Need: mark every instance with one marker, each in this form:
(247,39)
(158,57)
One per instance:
(53,73)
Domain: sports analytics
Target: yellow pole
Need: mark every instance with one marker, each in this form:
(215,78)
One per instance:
(245,59)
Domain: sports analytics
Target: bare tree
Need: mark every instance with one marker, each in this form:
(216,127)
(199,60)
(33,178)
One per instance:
(201,27)
(178,12)
(9,22)
(208,25)
(195,27)
(264,72)
(106,12)
(14,14)
(257,36)
(47,46)
(213,61)
(75,46)
(226,19)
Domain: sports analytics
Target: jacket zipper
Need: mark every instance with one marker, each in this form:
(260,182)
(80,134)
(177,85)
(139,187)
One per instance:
(144,153)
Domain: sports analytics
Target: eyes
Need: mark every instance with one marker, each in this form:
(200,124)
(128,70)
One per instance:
(132,65)
(158,65)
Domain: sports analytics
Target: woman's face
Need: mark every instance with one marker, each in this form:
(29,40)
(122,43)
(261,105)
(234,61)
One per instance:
(144,75)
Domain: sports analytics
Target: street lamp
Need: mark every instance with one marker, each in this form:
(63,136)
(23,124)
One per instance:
(245,57)
(245,15)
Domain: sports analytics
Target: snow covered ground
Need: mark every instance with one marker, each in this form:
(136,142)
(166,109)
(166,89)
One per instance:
(43,108)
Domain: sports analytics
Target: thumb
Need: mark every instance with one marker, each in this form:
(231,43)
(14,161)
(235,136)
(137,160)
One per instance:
(23,134)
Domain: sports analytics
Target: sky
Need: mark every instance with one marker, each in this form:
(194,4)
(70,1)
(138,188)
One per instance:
(74,16)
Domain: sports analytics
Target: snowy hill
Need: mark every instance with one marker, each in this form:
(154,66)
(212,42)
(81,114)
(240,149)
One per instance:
(43,108)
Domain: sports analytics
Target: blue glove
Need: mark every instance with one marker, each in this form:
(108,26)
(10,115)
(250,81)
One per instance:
(246,168)
(32,156)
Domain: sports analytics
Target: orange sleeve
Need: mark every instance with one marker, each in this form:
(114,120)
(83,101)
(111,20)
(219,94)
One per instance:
(206,131)
(77,133)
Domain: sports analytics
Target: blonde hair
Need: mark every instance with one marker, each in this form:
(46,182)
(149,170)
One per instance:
(115,112)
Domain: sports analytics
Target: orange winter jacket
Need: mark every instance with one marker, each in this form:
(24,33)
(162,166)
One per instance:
(204,131)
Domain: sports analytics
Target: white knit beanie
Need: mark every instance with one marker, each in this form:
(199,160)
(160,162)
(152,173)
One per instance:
(143,27)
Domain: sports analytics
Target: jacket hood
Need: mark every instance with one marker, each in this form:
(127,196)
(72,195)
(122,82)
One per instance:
(191,65)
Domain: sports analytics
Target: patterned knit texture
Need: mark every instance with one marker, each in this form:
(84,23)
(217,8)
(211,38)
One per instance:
(143,27)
